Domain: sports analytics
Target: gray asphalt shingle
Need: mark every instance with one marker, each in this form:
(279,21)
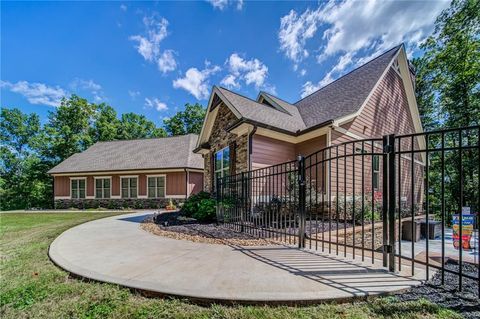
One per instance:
(342,97)
(154,153)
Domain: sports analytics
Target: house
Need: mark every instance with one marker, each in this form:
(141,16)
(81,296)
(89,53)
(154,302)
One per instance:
(143,173)
(241,134)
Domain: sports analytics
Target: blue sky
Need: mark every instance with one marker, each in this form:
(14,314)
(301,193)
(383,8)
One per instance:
(153,57)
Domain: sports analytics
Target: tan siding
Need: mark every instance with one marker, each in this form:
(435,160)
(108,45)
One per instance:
(61,186)
(176,183)
(195,183)
(115,185)
(142,185)
(267,151)
(386,111)
(90,186)
(311,146)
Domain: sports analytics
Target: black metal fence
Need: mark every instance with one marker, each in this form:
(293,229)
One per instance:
(401,199)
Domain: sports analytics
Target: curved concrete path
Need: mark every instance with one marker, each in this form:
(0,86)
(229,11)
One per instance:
(116,250)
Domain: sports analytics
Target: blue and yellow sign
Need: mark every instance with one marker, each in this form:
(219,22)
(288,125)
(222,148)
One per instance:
(467,230)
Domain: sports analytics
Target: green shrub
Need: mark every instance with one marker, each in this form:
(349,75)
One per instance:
(192,204)
(206,210)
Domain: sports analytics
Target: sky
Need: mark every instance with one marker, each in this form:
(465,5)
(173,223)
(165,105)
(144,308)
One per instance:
(153,57)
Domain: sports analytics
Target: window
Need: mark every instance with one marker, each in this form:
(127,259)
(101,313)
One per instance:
(376,171)
(102,188)
(222,163)
(156,186)
(129,187)
(78,188)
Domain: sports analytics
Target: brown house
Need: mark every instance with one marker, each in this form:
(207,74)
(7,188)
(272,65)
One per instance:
(142,173)
(376,99)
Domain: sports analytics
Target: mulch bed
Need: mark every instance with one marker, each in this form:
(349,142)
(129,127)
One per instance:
(174,225)
(466,302)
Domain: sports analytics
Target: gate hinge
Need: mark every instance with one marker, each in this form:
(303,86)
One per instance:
(387,248)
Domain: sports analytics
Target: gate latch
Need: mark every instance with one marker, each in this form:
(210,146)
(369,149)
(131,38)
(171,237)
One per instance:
(387,149)
(387,248)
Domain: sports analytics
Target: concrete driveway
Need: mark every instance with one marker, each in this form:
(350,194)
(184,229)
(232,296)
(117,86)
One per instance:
(116,250)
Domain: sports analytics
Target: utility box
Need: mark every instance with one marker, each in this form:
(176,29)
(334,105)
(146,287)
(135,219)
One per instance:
(407,231)
(434,229)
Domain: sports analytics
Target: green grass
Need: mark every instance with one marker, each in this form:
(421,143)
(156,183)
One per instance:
(31,286)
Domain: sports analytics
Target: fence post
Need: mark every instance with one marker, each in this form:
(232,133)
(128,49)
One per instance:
(391,201)
(218,197)
(244,203)
(385,171)
(301,201)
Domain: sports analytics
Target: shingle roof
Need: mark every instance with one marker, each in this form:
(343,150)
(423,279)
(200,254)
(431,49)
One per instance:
(342,97)
(252,110)
(345,95)
(154,153)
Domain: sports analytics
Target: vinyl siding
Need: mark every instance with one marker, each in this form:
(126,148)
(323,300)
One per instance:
(175,182)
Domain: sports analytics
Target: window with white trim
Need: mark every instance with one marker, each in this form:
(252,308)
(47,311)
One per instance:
(78,188)
(129,187)
(222,163)
(156,186)
(102,187)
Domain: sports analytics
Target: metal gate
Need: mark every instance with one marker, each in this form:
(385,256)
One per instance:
(395,198)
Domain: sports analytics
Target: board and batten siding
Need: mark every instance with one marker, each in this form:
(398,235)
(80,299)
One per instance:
(176,183)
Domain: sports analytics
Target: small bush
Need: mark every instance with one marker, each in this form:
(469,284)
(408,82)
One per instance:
(192,204)
(206,210)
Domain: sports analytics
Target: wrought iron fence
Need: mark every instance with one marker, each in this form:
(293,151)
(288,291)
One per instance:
(387,198)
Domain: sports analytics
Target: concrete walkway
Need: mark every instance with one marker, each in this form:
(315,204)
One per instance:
(116,250)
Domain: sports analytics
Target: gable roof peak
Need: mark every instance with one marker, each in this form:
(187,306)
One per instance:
(345,95)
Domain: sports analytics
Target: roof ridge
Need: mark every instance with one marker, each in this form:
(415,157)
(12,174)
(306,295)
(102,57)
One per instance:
(146,138)
(274,96)
(350,72)
(255,101)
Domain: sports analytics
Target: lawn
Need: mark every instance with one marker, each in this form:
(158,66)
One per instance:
(31,286)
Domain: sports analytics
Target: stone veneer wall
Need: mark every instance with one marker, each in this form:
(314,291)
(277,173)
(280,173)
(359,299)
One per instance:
(114,203)
(219,139)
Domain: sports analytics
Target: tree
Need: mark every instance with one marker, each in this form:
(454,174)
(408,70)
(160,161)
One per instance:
(133,126)
(185,122)
(452,62)
(17,130)
(23,182)
(425,96)
(68,128)
(448,94)
(105,124)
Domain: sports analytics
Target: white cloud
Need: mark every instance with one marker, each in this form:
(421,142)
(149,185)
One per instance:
(230,81)
(357,28)
(82,84)
(223,4)
(354,32)
(90,86)
(294,32)
(250,71)
(196,82)
(123,7)
(36,93)
(133,94)
(166,62)
(155,103)
(308,88)
(148,44)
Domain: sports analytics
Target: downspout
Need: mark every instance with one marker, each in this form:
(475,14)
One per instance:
(250,148)
(186,182)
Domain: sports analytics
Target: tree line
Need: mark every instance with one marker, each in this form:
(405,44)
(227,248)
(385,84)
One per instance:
(447,91)
(29,149)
